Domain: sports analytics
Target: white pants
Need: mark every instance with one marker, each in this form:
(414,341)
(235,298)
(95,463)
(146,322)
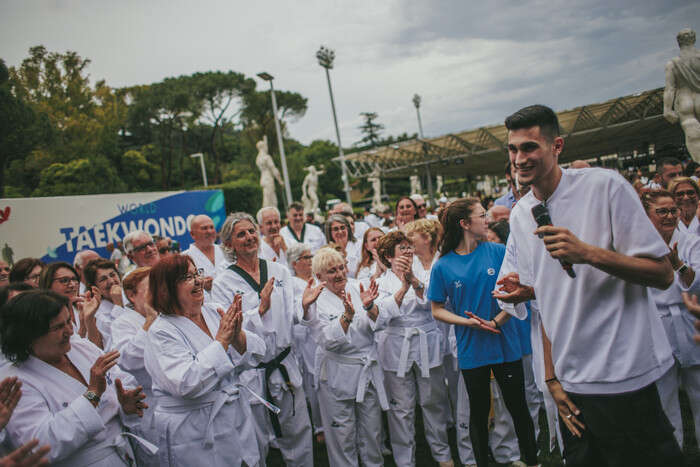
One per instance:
(668,386)
(431,393)
(464,442)
(295,443)
(312,398)
(351,428)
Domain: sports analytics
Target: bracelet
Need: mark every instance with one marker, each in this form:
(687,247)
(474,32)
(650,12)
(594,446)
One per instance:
(367,308)
(495,323)
(547,381)
(344,317)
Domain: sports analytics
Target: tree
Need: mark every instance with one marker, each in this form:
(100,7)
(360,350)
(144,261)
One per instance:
(160,114)
(79,176)
(258,119)
(370,129)
(222,96)
(21,128)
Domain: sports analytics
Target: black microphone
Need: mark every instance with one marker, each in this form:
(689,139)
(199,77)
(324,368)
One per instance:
(541,215)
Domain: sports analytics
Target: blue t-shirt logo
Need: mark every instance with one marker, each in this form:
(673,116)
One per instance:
(490,271)
(458,284)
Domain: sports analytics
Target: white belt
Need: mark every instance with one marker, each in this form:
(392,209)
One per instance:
(678,324)
(118,445)
(408,333)
(216,399)
(370,372)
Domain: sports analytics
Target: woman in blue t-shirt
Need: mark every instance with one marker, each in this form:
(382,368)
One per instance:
(486,340)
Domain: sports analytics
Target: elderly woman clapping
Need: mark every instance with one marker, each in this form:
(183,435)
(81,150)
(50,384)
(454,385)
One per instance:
(72,394)
(194,353)
(343,320)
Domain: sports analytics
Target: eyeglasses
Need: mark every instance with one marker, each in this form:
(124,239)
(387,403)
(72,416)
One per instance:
(164,250)
(688,193)
(420,206)
(191,276)
(66,280)
(663,212)
(403,248)
(306,257)
(140,248)
(339,228)
(33,277)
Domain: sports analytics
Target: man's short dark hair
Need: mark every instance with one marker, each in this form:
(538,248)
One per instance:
(90,271)
(535,115)
(297,206)
(25,318)
(664,161)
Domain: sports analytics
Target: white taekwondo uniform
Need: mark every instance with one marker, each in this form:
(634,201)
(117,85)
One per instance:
(53,410)
(349,379)
(410,353)
(129,338)
(201,414)
(311,235)
(275,327)
(678,324)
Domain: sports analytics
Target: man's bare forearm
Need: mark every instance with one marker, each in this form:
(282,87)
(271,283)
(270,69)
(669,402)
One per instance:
(649,272)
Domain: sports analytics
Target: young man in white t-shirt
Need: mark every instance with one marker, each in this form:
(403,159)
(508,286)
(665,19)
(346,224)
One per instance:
(604,344)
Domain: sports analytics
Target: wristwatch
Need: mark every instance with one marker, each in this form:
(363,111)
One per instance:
(92,397)
(420,286)
(682,269)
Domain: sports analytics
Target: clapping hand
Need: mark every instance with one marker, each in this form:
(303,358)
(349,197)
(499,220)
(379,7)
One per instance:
(132,401)
(512,291)
(265,294)
(347,303)
(9,396)
(25,456)
(115,293)
(98,372)
(91,303)
(370,294)
(311,294)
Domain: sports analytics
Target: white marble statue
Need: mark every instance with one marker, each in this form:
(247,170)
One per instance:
(376,182)
(682,93)
(415,185)
(439,183)
(309,197)
(268,174)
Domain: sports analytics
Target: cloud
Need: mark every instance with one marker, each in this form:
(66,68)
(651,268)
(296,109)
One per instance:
(472,62)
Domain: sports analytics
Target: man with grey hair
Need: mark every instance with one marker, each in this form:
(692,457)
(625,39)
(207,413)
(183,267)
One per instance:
(273,246)
(270,311)
(207,256)
(682,92)
(79,262)
(141,249)
(298,231)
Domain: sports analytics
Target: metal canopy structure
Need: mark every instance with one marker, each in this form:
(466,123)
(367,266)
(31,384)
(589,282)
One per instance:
(618,126)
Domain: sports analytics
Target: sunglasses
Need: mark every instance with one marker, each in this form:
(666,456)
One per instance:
(688,193)
(663,212)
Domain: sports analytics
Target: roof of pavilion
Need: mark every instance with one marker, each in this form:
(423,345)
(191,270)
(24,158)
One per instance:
(619,125)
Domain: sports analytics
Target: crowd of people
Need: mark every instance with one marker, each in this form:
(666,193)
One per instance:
(572,296)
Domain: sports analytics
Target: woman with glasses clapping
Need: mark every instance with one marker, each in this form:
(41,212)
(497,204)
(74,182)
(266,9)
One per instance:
(677,320)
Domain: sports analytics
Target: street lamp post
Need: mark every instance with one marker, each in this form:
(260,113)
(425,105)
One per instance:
(201,162)
(416,102)
(325,58)
(287,188)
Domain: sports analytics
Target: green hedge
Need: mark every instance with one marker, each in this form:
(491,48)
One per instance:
(240,195)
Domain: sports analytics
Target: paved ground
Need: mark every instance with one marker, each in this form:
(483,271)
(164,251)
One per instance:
(423,457)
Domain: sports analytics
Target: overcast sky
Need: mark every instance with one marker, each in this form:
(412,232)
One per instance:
(473,62)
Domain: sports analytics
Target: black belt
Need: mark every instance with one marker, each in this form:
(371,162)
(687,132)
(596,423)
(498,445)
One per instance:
(272,365)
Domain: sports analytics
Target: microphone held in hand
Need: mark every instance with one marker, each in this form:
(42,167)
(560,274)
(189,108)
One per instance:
(541,215)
